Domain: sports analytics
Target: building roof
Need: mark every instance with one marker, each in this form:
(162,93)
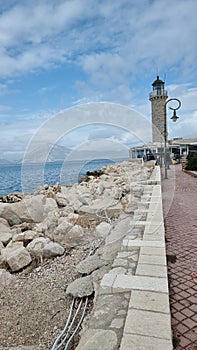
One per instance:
(184,141)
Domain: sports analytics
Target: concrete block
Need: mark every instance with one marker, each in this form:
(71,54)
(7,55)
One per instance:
(107,283)
(151,270)
(128,282)
(153,237)
(138,342)
(148,323)
(152,259)
(139,243)
(152,251)
(150,301)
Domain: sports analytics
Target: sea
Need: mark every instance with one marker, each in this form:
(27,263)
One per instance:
(28,178)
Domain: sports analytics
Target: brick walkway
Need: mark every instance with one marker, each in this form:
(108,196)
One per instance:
(180,211)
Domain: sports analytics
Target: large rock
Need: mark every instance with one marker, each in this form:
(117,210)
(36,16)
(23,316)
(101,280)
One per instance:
(61,200)
(66,233)
(72,196)
(6,280)
(52,249)
(4,222)
(30,209)
(81,287)
(19,258)
(25,236)
(43,247)
(36,247)
(1,246)
(103,229)
(11,246)
(7,211)
(5,233)
(49,224)
(63,226)
(75,235)
(90,264)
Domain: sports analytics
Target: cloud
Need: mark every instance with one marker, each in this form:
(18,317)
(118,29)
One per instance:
(114,46)
(3,89)
(4,108)
(107,39)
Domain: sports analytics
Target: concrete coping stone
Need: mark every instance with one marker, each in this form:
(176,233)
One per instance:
(135,341)
(121,283)
(139,243)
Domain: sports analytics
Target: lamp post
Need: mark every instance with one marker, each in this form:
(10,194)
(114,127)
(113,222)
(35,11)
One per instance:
(174,119)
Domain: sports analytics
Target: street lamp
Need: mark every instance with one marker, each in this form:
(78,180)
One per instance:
(174,119)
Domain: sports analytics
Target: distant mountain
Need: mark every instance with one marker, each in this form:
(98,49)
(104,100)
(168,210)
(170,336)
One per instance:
(46,153)
(4,161)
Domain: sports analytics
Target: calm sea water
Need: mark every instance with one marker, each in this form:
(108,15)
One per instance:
(27,178)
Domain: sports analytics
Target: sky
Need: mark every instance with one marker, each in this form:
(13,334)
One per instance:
(57,55)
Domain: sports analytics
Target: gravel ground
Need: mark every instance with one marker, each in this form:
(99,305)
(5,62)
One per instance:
(35,309)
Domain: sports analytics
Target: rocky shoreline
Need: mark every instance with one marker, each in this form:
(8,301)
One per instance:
(45,244)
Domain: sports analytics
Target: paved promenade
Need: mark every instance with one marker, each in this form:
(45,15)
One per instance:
(180,211)
(131,311)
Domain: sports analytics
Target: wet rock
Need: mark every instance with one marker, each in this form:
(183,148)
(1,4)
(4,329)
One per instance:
(90,264)
(81,287)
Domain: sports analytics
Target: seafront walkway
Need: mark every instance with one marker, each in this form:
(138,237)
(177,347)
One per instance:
(140,296)
(180,216)
(132,310)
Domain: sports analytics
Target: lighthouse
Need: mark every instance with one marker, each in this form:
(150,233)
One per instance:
(158,97)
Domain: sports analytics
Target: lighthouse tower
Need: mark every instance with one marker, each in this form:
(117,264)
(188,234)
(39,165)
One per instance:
(158,98)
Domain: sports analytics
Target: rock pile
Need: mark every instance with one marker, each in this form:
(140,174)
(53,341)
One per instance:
(67,223)
(58,218)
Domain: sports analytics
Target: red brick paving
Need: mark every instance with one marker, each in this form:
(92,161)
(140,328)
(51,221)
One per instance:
(180,215)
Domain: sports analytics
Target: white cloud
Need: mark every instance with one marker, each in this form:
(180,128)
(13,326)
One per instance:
(116,44)
(109,39)
(4,108)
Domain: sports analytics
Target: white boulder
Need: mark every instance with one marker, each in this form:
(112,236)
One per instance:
(6,279)
(30,209)
(52,249)
(43,247)
(103,229)
(5,232)
(25,236)
(18,259)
